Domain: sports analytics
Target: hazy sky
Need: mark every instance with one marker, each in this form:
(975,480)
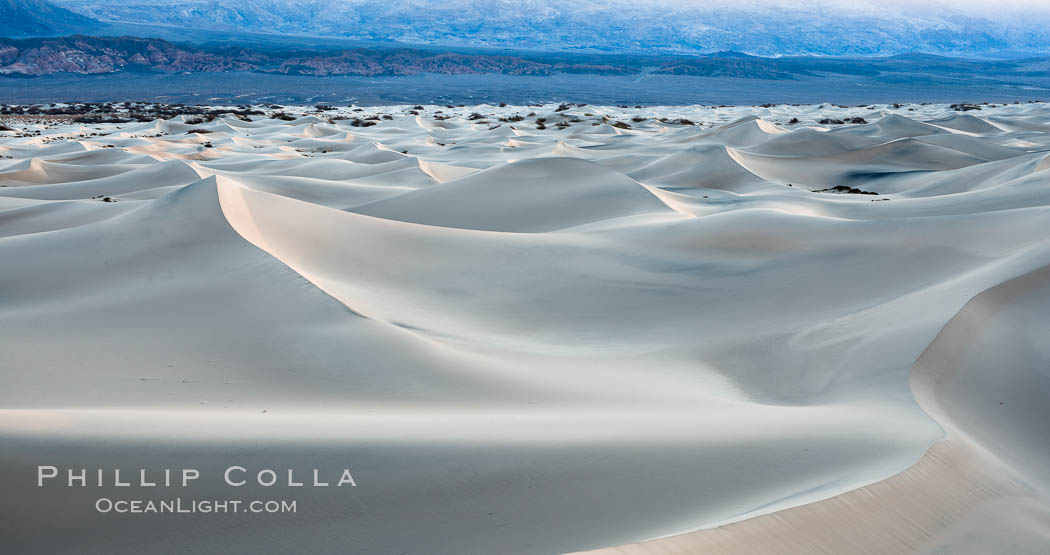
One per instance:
(983,6)
(992,9)
(972,5)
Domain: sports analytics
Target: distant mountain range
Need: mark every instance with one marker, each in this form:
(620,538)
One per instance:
(20,18)
(815,27)
(101,55)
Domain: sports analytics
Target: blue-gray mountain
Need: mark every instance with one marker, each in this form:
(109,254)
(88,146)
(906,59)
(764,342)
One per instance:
(28,18)
(619,25)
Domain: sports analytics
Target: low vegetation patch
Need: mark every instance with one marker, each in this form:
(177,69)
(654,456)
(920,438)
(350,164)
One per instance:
(844,190)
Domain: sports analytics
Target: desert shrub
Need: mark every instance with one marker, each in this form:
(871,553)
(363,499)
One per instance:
(100,119)
(845,189)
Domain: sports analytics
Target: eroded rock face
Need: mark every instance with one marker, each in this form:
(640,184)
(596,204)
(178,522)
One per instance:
(89,55)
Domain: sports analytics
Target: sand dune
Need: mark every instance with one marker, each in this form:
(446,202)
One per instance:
(610,331)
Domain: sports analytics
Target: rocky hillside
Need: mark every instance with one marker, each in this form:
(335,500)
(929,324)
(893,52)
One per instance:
(100,55)
(93,55)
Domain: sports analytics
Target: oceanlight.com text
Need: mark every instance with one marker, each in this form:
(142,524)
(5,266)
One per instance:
(194,506)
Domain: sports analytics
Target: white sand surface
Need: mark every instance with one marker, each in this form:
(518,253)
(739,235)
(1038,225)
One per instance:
(622,333)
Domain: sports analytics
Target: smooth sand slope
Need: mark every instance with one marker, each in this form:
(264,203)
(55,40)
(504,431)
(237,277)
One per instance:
(609,331)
